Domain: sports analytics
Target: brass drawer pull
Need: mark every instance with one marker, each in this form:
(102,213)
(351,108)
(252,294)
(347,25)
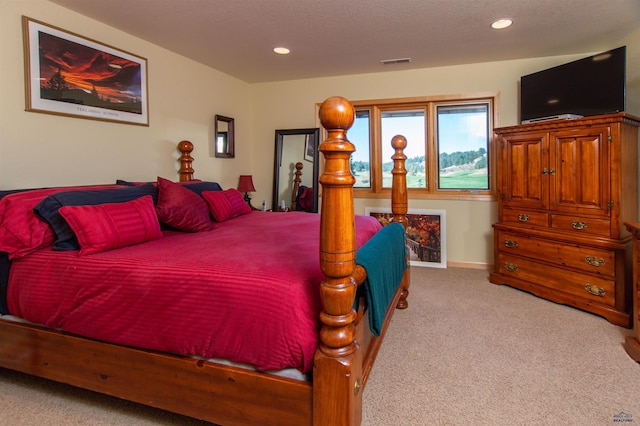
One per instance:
(576,224)
(594,289)
(523,217)
(511,243)
(546,171)
(593,261)
(511,267)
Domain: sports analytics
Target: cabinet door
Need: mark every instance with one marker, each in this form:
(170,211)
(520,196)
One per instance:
(579,171)
(521,179)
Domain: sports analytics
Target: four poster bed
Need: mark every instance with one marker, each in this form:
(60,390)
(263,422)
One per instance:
(326,319)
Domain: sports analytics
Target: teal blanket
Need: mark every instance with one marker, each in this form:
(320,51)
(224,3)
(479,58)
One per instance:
(384,259)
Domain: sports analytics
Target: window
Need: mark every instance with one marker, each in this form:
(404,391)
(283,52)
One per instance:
(359,135)
(448,146)
(462,146)
(410,124)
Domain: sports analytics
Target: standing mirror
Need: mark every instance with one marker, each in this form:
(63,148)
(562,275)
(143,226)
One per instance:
(225,137)
(295,174)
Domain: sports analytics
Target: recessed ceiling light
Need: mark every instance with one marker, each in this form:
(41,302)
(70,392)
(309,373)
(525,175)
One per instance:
(501,23)
(281,50)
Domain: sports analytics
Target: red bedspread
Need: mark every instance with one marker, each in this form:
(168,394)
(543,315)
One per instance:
(247,291)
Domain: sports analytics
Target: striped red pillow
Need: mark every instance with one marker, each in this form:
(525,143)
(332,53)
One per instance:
(104,227)
(227,204)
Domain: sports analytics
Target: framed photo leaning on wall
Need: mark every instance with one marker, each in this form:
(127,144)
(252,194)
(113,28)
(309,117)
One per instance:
(426,235)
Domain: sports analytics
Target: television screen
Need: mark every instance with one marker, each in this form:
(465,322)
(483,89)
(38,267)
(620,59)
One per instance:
(588,86)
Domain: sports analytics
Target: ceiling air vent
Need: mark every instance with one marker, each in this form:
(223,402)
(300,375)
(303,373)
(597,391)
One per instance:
(395,61)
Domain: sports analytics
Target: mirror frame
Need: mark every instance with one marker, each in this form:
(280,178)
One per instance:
(279,140)
(231,137)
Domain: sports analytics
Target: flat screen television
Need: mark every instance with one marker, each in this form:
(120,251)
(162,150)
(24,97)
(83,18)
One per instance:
(588,86)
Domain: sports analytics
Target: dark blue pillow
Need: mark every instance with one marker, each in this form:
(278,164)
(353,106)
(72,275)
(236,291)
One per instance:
(5,263)
(15,191)
(128,183)
(47,209)
(197,186)
(200,187)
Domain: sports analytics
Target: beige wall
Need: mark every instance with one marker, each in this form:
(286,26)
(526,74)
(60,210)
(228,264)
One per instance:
(39,149)
(291,104)
(632,41)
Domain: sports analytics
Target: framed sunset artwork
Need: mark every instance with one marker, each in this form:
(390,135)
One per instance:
(67,74)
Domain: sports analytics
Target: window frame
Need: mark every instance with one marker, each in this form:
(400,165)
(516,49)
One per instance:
(377,106)
(436,132)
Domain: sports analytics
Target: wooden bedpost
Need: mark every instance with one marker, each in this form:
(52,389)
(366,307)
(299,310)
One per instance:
(399,204)
(337,391)
(297,179)
(186,171)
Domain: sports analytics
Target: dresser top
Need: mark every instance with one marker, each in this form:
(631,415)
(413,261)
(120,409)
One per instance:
(593,120)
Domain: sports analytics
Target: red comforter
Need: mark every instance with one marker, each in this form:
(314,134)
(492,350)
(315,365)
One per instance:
(247,291)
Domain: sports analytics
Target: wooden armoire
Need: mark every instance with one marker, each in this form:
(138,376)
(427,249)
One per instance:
(565,187)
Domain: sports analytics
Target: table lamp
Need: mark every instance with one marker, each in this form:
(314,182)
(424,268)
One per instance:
(245,184)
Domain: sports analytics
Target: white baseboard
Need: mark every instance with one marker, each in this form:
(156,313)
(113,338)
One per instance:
(470,265)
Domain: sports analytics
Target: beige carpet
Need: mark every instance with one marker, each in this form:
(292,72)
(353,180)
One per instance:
(466,352)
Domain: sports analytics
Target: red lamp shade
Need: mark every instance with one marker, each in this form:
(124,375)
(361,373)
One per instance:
(246,184)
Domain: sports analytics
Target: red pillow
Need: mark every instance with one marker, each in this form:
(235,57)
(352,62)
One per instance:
(104,227)
(227,204)
(21,230)
(181,208)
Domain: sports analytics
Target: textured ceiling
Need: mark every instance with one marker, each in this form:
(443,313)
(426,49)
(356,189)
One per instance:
(340,37)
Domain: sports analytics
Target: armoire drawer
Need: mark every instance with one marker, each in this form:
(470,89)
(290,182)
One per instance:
(591,287)
(525,217)
(584,258)
(581,224)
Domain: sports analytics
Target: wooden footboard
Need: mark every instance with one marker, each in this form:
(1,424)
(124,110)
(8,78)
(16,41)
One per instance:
(229,395)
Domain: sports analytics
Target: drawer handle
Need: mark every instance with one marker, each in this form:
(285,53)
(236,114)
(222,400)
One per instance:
(523,217)
(511,243)
(511,267)
(593,261)
(576,224)
(594,289)
(546,171)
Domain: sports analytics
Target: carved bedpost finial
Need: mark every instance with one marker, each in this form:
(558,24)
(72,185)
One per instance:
(186,171)
(337,115)
(399,172)
(341,400)
(399,201)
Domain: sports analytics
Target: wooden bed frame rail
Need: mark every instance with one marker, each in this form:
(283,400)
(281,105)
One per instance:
(227,395)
